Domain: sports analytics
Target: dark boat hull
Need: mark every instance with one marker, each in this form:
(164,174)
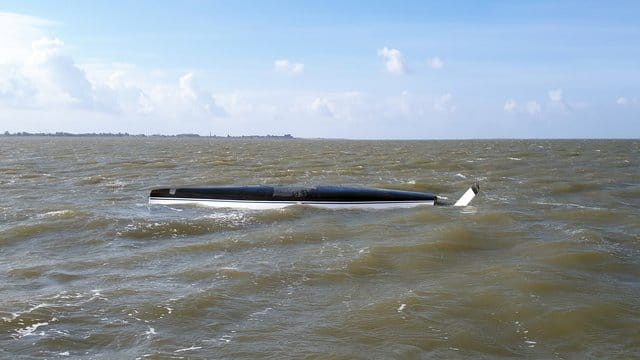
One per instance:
(260,197)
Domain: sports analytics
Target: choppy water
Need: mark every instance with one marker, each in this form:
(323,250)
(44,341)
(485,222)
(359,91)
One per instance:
(544,264)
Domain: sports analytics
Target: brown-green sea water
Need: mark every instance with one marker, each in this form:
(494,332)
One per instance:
(544,264)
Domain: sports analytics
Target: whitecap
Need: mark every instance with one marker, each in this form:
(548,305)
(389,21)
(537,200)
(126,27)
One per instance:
(150,332)
(257,313)
(30,330)
(12,317)
(189,349)
(578,206)
(57,213)
(15,315)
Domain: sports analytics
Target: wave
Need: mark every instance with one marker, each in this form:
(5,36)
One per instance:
(158,228)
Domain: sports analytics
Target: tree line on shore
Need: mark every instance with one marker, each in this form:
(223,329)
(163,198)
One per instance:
(120,134)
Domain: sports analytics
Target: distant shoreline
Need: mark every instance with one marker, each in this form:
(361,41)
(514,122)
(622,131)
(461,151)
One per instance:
(110,135)
(24,134)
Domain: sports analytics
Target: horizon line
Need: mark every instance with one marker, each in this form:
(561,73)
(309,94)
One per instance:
(285,136)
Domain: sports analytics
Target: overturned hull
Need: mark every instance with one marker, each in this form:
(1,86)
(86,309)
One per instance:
(262,197)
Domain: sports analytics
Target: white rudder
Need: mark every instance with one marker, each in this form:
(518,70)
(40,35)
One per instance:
(466,198)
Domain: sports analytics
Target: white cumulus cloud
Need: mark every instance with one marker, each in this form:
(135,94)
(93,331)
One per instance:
(558,103)
(16,90)
(323,107)
(285,66)
(531,107)
(510,106)
(47,77)
(17,32)
(555,95)
(57,77)
(444,103)
(436,63)
(199,99)
(394,61)
(39,75)
(622,100)
(184,101)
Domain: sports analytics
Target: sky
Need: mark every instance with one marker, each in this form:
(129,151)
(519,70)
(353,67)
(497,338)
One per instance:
(322,69)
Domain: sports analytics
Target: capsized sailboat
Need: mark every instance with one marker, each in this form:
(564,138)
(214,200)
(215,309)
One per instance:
(264,197)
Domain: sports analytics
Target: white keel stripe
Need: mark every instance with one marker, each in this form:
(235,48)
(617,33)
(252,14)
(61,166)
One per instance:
(266,205)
